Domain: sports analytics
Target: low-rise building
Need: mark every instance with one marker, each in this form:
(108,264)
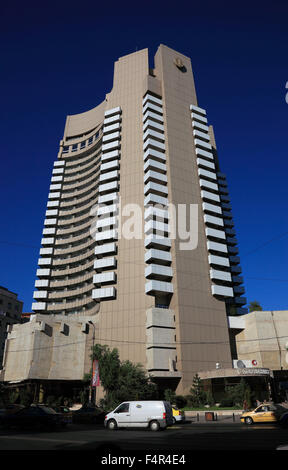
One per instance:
(262,342)
(10,313)
(259,348)
(50,353)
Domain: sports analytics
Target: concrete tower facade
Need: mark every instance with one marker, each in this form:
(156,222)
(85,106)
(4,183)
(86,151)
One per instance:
(113,250)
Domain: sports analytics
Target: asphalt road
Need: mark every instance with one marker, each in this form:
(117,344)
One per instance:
(184,439)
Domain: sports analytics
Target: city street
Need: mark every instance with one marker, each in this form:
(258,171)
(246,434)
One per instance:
(181,439)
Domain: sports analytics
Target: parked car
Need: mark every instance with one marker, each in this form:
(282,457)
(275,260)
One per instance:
(178,415)
(66,414)
(35,416)
(88,414)
(154,415)
(8,409)
(283,420)
(264,413)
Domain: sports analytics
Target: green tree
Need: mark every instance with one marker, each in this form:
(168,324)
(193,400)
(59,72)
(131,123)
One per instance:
(122,380)
(239,393)
(180,401)
(109,365)
(254,306)
(197,391)
(209,398)
(169,395)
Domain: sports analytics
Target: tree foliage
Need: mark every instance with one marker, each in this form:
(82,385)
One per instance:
(197,393)
(254,306)
(169,395)
(122,380)
(239,393)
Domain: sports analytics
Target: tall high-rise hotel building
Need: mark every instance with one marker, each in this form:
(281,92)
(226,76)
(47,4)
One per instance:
(148,146)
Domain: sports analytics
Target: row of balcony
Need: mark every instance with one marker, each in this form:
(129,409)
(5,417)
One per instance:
(106,232)
(81,145)
(45,271)
(57,177)
(160,324)
(217,218)
(158,271)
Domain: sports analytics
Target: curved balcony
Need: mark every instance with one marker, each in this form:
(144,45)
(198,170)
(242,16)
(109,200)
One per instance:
(68,305)
(74,249)
(76,210)
(71,239)
(73,260)
(73,281)
(75,220)
(72,187)
(77,177)
(90,196)
(82,167)
(82,160)
(70,271)
(76,194)
(73,230)
(63,294)
(74,149)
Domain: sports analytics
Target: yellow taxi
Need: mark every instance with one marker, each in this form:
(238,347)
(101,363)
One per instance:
(178,415)
(264,413)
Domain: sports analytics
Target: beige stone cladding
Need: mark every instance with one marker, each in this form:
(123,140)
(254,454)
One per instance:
(122,321)
(264,339)
(153,303)
(201,324)
(48,347)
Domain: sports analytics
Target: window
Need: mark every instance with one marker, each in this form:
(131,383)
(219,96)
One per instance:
(124,408)
(261,409)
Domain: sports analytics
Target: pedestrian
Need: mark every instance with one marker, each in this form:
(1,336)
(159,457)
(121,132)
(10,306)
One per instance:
(245,405)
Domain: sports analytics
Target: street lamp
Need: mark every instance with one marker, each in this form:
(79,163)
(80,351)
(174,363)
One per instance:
(91,398)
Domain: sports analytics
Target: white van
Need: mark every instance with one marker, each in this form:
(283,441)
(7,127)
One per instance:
(143,414)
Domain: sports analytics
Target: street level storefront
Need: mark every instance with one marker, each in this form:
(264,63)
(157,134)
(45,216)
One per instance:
(259,380)
(44,391)
(280,385)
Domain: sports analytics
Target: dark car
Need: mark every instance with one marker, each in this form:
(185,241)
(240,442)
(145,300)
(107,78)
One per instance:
(66,414)
(89,414)
(9,409)
(33,416)
(283,421)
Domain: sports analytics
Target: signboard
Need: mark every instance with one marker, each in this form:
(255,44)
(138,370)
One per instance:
(243,363)
(95,374)
(254,371)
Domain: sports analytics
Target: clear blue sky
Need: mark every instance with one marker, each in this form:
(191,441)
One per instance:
(58,59)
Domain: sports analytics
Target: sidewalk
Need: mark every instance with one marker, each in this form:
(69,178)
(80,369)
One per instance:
(218,415)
